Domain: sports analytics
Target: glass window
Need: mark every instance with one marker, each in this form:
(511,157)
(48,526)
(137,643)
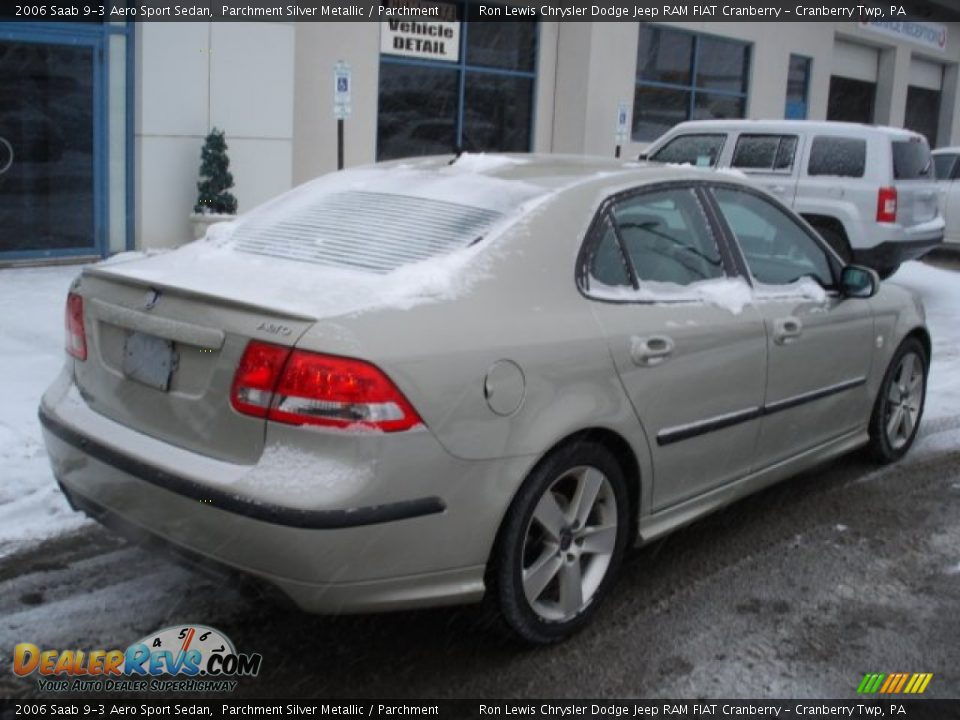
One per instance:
(47,170)
(608,266)
(798,85)
(923,112)
(417,111)
(665,56)
(683,76)
(480,100)
(777,249)
(845,157)
(507,45)
(657,109)
(497,112)
(851,100)
(911,160)
(699,150)
(764,152)
(666,237)
(722,64)
(945,166)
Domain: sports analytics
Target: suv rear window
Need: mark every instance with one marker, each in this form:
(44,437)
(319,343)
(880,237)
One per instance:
(911,160)
(844,157)
(944,166)
(764,152)
(699,150)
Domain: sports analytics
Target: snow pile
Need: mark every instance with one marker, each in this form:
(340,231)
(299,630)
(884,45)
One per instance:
(31,354)
(482,162)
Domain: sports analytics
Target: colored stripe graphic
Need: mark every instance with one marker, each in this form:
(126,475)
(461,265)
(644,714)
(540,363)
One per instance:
(907,683)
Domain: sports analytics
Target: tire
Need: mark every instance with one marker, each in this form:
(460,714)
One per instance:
(836,240)
(543,530)
(902,394)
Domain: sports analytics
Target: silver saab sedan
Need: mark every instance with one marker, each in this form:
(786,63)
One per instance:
(441,381)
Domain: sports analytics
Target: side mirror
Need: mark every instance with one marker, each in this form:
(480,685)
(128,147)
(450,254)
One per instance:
(857,281)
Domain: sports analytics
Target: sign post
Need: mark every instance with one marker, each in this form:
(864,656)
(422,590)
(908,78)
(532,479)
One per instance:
(342,80)
(623,115)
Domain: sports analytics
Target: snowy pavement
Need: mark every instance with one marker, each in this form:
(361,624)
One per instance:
(791,592)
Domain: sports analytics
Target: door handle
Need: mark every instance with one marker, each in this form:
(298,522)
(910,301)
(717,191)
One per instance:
(786,330)
(650,351)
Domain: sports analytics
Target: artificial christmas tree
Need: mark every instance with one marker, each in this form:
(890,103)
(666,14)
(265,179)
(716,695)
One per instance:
(213,189)
(215,202)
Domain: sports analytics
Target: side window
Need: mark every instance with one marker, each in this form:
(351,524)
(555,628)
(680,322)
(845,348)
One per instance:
(607,265)
(840,156)
(777,250)
(699,150)
(944,165)
(764,152)
(666,237)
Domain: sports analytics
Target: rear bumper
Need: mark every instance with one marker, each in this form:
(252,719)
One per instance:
(890,254)
(348,556)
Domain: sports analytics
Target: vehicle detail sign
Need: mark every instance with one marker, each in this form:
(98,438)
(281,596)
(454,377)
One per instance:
(435,37)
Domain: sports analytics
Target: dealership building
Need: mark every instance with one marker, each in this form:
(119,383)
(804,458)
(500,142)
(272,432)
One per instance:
(101,124)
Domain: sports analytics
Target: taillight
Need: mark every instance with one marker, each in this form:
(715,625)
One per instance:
(256,378)
(76,340)
(304,388)
(887,204)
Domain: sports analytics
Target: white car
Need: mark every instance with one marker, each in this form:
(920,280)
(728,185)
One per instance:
(946,162)
(869,191)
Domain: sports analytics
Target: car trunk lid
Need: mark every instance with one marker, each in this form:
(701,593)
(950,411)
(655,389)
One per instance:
(162,359)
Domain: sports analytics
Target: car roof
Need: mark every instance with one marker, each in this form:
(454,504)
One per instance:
(557,172)
(792,125)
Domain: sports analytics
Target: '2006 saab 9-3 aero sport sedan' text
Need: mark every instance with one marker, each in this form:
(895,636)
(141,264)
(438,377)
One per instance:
(437,381)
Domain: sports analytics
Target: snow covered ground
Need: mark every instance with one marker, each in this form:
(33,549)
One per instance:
(31,352)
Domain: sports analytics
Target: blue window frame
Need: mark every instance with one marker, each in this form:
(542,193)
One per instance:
(482,102)
(59,119)
(687,76)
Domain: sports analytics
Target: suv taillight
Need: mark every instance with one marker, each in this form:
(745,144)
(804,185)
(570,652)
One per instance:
(297,387)
(887,204)
(76,341)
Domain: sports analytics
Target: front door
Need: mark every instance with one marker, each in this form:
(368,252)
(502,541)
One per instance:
(47,148)
(819,344)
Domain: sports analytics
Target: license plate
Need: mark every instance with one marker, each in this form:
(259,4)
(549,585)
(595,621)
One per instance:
(148,359)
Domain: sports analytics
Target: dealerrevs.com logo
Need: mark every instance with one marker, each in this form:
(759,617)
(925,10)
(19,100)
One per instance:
(182,658)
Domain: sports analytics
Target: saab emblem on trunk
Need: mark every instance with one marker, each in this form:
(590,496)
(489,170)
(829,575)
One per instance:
(151,298)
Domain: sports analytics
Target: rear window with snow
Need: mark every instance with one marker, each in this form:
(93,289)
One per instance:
(838,156)
(379,221)
(699,150)
(911,160)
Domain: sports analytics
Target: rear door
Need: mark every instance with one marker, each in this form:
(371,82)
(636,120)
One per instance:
(769,159)
(688,347)
(819,344)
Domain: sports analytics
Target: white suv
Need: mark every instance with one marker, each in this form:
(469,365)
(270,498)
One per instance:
(869,191)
